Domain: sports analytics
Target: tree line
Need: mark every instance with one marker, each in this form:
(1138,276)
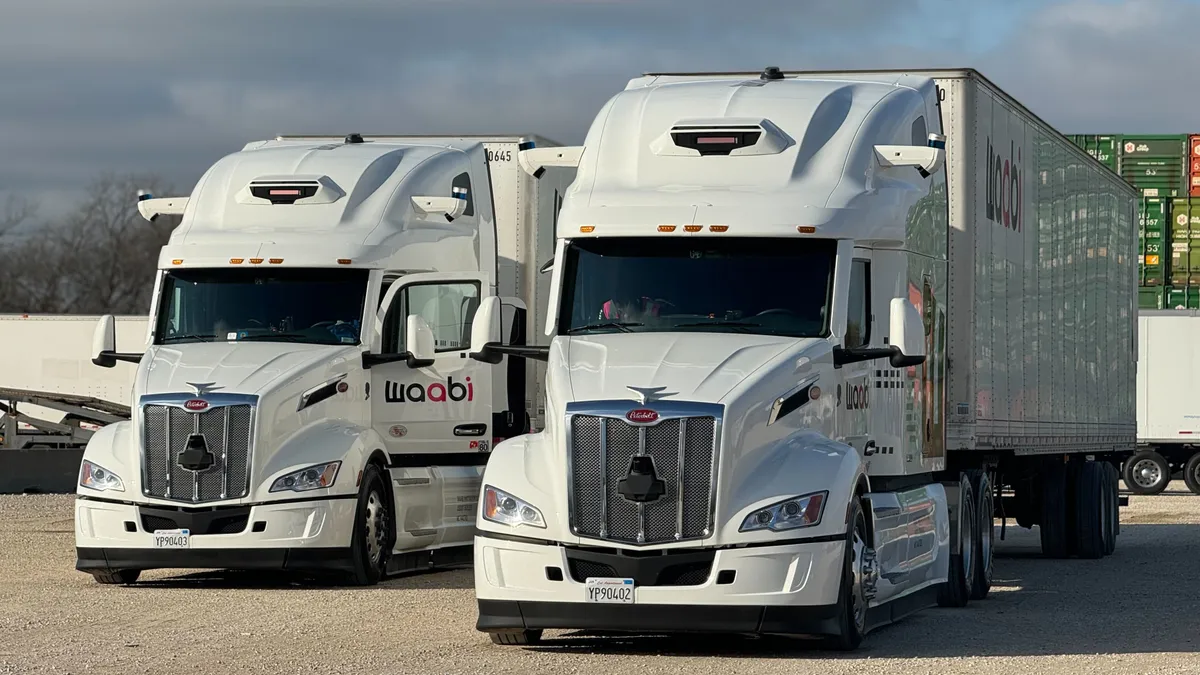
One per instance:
(98,259)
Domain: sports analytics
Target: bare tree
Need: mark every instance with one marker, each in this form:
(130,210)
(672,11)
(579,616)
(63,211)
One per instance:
(101,259)
(17,211)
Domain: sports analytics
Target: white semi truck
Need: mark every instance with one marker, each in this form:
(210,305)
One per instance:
(1168,395)
(811,331)
(313,392)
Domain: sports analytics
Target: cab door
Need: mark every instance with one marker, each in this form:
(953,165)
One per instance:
(854,394)
(435,416)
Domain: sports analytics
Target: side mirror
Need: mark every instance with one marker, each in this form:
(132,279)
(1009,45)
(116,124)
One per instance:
(419,338)
(104,342)
(907,334)
(485,331)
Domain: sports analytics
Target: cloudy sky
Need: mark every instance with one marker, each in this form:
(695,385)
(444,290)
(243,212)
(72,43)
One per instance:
(167,86)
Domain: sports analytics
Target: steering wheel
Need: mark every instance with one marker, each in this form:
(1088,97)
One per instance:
(777,310)
(321,324)
(255,321)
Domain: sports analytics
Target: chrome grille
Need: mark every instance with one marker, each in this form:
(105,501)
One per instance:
(683,447)
(227,430)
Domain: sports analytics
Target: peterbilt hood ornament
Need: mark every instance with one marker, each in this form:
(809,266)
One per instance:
(647,394)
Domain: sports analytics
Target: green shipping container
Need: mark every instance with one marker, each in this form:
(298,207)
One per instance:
(1103,148)
(1155,164)
(1182,298)
(1154,246)
(1151,298)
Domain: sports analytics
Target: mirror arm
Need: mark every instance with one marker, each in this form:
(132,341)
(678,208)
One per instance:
(492,352)
(109,359)
(897,358)
(369,359)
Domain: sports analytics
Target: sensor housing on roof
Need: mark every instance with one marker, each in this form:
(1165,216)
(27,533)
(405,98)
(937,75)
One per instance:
(721,136)
(290,190)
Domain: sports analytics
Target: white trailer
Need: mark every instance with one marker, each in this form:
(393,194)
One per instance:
(806,328)
(1168,402)
(321,381)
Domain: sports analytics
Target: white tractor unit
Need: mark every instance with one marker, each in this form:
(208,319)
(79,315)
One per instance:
(810,332)
(320,387)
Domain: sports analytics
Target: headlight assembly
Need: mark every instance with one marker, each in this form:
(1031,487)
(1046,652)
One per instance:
(97,477)
(789,514)
(311,478)
(501,507)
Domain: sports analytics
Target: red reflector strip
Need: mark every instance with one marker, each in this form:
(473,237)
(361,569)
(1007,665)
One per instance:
(1185,432)
(717,140)
(285,192)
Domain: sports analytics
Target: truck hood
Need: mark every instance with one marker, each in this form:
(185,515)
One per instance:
(235,367)
(701,367)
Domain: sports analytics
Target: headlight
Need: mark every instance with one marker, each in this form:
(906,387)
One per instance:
(98,478)
(501,507)
(802,511)
(312,478)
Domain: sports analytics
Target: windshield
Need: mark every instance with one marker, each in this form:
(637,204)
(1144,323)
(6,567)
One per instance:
(658,284)
(315,306)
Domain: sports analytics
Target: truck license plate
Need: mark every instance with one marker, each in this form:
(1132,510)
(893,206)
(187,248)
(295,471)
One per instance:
(172,539)
(606,589)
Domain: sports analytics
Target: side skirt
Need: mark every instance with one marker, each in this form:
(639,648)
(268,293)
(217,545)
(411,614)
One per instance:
(414,561)
(906,605)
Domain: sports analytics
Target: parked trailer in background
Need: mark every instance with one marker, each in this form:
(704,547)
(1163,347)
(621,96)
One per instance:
(808,328)
(1168,395)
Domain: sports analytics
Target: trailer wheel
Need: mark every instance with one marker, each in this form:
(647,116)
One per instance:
(1191,473)
(981,483)
(124,577)
(1147,473)
(1112,512)
(852,600)
(960,585)
(370,543)
(517,638)
(1091,511)
(1053,525)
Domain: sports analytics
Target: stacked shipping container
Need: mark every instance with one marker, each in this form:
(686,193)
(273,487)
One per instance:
(1166,170)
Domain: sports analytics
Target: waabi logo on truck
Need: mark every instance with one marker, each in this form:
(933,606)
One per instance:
(1004,192)
(642,416)
(196,405)
(398,392)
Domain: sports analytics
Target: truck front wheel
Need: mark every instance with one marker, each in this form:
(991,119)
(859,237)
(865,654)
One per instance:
(371,542)
(852,600)
(960,585)
(124,577)
(1147,473)
(516,638)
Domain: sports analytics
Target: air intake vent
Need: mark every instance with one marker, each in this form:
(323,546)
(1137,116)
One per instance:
(721,137)
(290,190)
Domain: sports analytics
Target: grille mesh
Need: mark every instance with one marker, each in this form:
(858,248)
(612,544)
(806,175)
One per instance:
(226,431)
(602,451)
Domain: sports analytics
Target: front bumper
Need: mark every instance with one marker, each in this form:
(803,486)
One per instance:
(310,534)
(791,588)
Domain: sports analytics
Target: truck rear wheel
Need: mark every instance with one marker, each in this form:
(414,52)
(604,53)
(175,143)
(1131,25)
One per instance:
(1147,473)
(960,585)
(852,600)
(510,638)
(1191,473)
(117,576)
(1053,524)
(371,542)
(1092,519)
(981,483)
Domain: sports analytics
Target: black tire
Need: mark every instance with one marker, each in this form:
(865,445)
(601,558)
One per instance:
(1112,513)
(124,577)
(1191,473)
(985,512)
(374,534)
(960,585)
(1146,473)
(1091,511)
(1053,525)
(852,624)
(517,638)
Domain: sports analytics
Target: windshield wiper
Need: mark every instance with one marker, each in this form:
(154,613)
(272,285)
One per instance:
(739,324)
(189,336)
(619,325)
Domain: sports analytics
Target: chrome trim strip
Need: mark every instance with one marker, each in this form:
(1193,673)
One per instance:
(196,474)
(603,478)
(225,456)
(679,480)
(312,390)
(641,507)
(778,404)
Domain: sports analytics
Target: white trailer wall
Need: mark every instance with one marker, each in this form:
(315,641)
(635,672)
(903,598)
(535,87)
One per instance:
(1168,378)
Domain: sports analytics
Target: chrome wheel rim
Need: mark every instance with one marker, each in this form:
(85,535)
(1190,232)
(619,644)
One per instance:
(376,527)
(1146,473)
(966,541)
(859,565)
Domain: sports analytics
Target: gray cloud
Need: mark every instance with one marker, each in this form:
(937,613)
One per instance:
(168,88)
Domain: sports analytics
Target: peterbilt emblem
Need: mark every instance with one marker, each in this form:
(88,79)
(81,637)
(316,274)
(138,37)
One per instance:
(398,431)
(642,416)
(642,484)
(196,405)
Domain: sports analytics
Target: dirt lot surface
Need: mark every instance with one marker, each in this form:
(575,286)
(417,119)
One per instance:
(1134,612)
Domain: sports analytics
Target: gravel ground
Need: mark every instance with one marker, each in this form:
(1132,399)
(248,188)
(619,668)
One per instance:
(1134,612)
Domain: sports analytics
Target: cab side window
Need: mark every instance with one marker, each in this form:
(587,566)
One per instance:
(858,320)
(448,309)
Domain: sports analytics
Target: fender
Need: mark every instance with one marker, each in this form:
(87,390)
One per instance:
(114,447)
(324,441)
(798,464)
(523,466)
